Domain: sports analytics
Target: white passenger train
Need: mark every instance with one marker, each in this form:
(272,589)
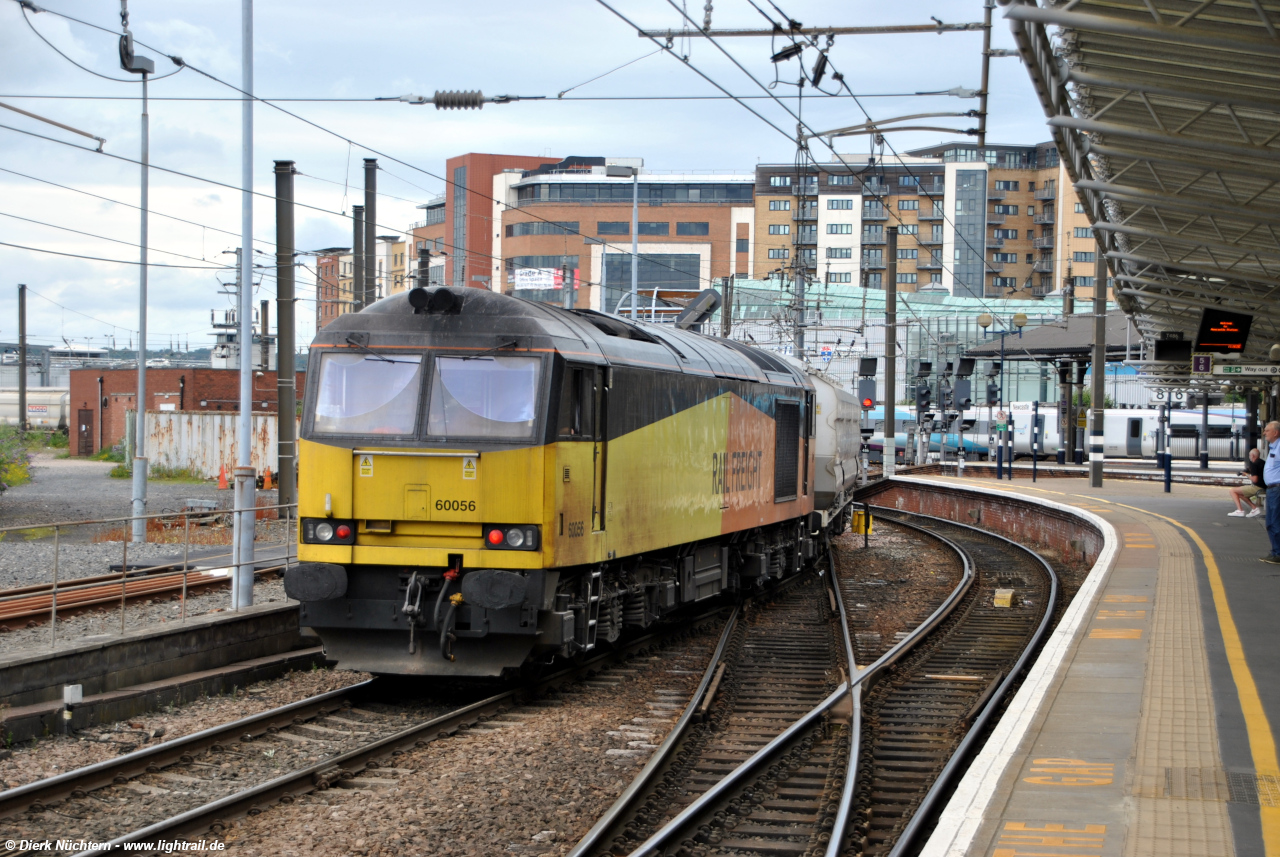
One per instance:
(1134,433)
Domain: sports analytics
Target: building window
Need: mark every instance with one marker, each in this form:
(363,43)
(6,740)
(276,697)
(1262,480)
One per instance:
(779,205)
(779,181)
(909,279)
(1083,232)
(809,255)
(908,205)
(908,254)
(1005,282)
(542,227)
(839,252)
(693,228)
(1006,209)
(779,253)
(909,229)
(839,228)
(1010,258)
(460,227)
(908,181)
(744,245)
(845,277)
(935,278)
(808,234)
(873,233)
(1078,256)
(1006,185)
(840,180)
(873,209)
(839,205)
(613,227)
(873,257)
(779,228)
(654,227)
(875,280)
(1080,208)
(1007,234)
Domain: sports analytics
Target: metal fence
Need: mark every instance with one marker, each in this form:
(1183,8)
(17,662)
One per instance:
(135,581)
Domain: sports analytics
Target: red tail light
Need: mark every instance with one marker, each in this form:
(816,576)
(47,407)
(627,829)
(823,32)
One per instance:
(343,531)
(495,537)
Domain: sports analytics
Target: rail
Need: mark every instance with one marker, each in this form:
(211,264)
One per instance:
(287,787)
(704,805)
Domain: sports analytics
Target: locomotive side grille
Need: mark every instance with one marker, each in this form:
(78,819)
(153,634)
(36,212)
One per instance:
(786,455)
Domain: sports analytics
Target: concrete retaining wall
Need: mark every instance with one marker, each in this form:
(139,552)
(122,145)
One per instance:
(1050,532)
(112,663)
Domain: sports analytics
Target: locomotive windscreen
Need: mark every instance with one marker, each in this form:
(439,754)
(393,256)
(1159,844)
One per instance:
(367,394)
(493,397)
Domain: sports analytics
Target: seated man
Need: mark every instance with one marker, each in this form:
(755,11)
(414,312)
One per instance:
(1253,470)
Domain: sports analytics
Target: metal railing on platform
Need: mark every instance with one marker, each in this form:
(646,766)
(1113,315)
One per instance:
(137,580)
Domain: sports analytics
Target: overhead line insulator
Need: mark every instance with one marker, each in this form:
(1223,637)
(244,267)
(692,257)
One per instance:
(460,100)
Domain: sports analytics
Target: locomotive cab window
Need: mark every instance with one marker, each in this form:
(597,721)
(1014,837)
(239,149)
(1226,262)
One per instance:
(368,394)
(577,399)
(484,397)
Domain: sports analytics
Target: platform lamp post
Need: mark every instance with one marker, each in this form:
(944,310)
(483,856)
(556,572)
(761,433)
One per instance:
(621,172)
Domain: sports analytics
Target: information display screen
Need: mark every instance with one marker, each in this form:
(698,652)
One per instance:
(1223,332)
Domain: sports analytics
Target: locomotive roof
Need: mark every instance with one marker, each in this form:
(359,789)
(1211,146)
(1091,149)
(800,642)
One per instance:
(487,319)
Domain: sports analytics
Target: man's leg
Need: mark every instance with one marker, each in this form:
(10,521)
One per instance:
(1235,495)
(1273,518)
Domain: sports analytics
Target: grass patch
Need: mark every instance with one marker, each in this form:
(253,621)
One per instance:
(120,471)
(107,454)
(15,458)
(34,533)
(57,440)
(162,473)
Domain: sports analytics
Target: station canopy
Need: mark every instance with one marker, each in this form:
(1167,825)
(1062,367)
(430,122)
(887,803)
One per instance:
(1167,117)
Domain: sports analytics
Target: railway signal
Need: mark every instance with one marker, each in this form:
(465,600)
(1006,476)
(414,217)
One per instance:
(867,393)
(924,397)
(993,395)
(964,394)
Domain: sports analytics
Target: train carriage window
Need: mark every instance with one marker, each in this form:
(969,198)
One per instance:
(367,394)
(491,397)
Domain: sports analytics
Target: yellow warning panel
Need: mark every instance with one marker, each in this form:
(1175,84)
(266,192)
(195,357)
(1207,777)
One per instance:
(1115,634)
(856,525)
(1004,598)
(469,468)
(366,465)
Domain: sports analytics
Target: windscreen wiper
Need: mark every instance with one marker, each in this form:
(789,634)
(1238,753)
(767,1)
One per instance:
(512,344)
(366,349)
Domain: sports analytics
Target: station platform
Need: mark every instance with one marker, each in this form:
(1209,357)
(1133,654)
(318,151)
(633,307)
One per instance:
(1148,725)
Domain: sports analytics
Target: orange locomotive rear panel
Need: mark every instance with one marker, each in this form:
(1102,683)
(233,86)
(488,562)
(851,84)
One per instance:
(492,482)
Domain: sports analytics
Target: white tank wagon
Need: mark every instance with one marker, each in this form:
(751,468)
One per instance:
(47,407)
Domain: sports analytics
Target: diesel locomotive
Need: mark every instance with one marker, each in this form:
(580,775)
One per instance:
(487,482)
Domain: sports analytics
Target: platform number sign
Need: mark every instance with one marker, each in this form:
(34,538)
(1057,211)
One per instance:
(1201,364)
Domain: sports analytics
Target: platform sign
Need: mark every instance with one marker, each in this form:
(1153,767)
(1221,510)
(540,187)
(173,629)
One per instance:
(1269,369)
(1201,364)
(826,353)
(1001,421)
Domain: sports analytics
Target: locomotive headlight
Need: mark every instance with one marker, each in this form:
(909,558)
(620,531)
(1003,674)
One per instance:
(511,537)
(326,531)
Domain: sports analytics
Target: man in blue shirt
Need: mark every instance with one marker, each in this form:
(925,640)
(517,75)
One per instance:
(1271,476)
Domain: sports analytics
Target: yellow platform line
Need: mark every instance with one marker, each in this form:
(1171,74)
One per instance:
(1262,744)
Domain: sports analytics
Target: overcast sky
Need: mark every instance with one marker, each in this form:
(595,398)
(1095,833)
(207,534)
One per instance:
(320,49)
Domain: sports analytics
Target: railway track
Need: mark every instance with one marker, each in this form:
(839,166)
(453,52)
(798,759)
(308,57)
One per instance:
(198,783)
(858,772)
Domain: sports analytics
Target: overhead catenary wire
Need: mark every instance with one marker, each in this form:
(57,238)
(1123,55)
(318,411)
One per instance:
(801,124)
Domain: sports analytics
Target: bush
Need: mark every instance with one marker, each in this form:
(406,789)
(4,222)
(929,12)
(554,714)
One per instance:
(15,460)
(58,440)
(120,471)
(163,473)
(107,453)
